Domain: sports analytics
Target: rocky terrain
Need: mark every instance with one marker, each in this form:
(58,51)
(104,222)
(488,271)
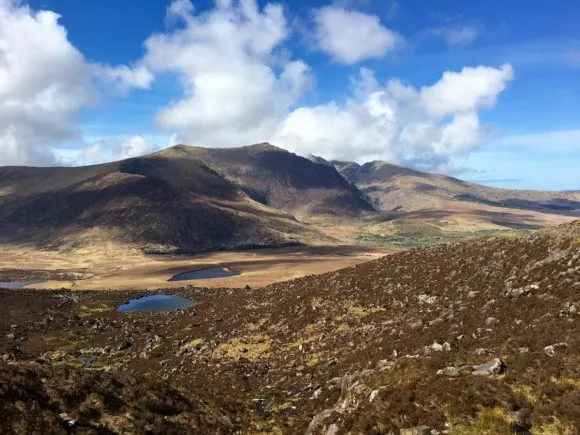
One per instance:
(477,337)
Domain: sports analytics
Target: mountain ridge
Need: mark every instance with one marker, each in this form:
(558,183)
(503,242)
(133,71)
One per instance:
(193,199)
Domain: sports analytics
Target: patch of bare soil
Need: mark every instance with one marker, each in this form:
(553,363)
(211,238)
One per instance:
(477,337)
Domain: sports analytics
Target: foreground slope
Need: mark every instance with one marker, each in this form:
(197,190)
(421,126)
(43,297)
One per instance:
(157,203)
(382,346)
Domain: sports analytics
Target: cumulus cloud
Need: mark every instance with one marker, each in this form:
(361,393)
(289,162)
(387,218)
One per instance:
(110,148)
(462,91)
(45,82)
(234,75)
(239,89)
(179,9)
(124,78)
(350,37)
(134,146)
(240,85)
(397,122)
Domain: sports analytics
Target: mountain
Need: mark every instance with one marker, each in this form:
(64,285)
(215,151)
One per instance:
(476,337)
(165,202)
(283,180)
(191,199)
(438,199)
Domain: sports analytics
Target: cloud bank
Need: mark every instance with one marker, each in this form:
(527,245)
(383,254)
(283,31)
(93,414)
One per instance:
(45,82)
(399,123)
(240,84)
(238,89)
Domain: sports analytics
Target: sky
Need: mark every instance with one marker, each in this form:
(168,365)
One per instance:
(484,91)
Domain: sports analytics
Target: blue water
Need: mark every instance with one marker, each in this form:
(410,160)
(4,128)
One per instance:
(156,303)
(207,273)
(19,284)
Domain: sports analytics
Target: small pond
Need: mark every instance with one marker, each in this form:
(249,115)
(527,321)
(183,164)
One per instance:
(207,273)
(159,302)
(19,284)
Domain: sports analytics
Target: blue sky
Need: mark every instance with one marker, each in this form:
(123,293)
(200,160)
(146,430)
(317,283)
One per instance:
(487,91)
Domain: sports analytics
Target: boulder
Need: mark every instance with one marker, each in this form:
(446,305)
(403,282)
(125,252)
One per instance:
(419,430)
(493,367)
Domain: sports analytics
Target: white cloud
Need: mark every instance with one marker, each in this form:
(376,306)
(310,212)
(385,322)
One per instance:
(45,82)
(240,85)
(350,36)
(472,88)
(96,150)
(134,146)
(234,81)
(92,154)
(180,9)
(124,78)
(456,36)
(424,128)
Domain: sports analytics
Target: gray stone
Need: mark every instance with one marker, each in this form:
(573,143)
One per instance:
(426,299)
(436,347)
(551,350)
(419,430)
(491,321)
(493,367)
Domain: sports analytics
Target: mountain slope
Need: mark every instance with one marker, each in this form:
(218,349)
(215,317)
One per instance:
(157,203)
(391,186)
(283,180)
(192,199)
(397,190)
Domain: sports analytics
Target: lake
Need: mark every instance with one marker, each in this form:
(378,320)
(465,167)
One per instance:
(207,273)
(152,303)
(19,284)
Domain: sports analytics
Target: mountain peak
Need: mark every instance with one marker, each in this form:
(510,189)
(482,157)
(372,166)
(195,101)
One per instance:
(265,146)
(319,160)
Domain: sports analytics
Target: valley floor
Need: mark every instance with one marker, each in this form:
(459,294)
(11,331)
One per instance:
(114,268)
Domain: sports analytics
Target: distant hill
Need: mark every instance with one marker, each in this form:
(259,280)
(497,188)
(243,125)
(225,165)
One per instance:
(399,190)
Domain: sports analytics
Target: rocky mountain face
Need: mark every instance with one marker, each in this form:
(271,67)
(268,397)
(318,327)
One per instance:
(470,337)
(283,180)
